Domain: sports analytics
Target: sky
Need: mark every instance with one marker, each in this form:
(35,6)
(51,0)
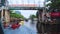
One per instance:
(38,2)
(27,13)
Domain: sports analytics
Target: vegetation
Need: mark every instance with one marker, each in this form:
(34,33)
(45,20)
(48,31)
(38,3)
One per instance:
(15,15)
(55,4)
(32,16)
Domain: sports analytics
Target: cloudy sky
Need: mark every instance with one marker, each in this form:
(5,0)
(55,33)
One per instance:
(27,13)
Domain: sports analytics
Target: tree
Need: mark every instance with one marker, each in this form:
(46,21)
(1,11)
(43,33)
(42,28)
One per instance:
(15,15)
(32,16)
(55,4)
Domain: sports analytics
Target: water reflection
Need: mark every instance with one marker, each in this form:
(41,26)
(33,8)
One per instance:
(30,25)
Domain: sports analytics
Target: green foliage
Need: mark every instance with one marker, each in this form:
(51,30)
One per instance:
(54,4)
(14,15)
(32,16)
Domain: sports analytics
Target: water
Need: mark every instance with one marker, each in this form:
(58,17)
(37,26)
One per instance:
(30,25)
(27,28)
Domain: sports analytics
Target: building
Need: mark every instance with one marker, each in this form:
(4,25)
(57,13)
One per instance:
(5,16)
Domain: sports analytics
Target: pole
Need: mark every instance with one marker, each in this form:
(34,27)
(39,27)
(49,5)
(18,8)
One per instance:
(2,18)
(43,19)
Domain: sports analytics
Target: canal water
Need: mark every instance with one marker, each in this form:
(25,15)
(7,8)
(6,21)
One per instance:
(31,25)
(27,28)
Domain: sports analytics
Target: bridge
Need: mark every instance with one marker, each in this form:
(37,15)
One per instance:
(21,8)
(29,6)
(22,5)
